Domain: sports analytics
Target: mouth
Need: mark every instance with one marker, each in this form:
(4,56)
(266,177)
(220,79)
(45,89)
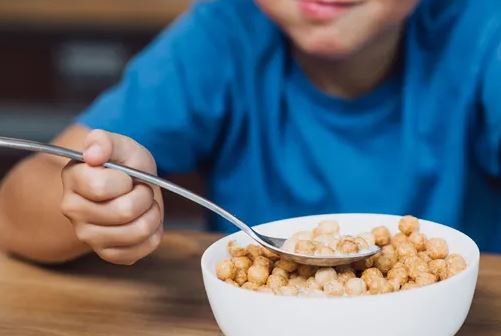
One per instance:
(325,10)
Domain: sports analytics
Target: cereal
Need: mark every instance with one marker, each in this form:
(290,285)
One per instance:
(288,291)
(370,274)
(258,274)
(334,288)
(326,227)
(439,268)
(455,264)
(280,271)
(276,281)
(242,262)
(407,260)
(306,270)
(226,270)
(241,276)
(408,225)
(379,285)
(398,239)
(418,240)
(355,287)
(324,275)
(288,265)
(437,248)
(306,247)
(423,279)
(382,235)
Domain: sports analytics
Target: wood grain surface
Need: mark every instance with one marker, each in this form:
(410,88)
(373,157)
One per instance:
(161,295)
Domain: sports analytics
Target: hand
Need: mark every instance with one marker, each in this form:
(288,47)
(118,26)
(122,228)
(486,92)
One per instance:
(119,218)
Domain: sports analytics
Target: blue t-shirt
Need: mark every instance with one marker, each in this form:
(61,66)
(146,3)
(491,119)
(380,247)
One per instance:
(219,91)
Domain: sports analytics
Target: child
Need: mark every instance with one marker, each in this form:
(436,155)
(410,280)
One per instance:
(289,107)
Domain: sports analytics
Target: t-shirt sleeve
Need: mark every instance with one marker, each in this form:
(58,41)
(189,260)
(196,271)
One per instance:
(173,96)
(489,146)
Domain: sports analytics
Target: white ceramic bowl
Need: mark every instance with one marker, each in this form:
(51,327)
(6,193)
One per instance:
(435,310)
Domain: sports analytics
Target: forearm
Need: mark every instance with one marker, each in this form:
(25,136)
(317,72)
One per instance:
(31,223)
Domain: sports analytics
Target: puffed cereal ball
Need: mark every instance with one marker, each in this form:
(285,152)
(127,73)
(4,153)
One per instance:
(408,225)
(395,284)
(398,239)
(306,247)
(250,286)
(437,248)
(302,235)
(389,250)
(299,282)
(290,245)
(288,265)
(327,240)
(423,255)
(345,275)
(306,271)
(231,282)
(415,266)
(361,243)
(455,264)
(334,288)
(439,268)
(324,251)
(258,274)
(398,273)
(269,254)
(288,291)
(235,250)
(355,287)
(276,281)
(312,284)
(424,279)
(368,237)
(241,276)
(326,227)
(311,292)
(379,286)
(370,274)
(226,270)
(324,275)
(385,262)
(254,251)
(347,245)
(418,240)
(381,235)
(242,262)
(406,249)
(280,271)
(409,285)
(263,261)
(264,289)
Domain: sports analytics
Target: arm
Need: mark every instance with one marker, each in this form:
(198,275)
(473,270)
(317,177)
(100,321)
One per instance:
(31,222)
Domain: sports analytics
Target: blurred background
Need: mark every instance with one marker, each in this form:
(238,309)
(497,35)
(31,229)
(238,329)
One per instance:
(56,56)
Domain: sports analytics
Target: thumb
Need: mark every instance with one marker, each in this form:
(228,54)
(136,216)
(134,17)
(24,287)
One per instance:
(102,146)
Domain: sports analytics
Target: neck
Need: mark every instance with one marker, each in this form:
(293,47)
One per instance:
(354,75)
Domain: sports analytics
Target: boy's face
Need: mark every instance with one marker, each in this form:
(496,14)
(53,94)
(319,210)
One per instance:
(337,28)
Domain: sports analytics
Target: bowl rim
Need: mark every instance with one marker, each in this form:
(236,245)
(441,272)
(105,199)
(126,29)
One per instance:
(470,267)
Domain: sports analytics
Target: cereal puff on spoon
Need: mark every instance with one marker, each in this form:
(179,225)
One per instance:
(309,248)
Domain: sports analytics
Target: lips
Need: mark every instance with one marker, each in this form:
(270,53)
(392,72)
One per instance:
(323,10)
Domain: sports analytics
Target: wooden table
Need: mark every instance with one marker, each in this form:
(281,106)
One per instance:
(161,295)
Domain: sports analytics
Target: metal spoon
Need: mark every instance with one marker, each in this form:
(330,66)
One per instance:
(271,243)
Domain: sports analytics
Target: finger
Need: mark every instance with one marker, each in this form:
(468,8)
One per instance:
(96,183)
(127,235)
(130,255)
(118,211)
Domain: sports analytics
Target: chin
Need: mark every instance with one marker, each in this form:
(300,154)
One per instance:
(330,48)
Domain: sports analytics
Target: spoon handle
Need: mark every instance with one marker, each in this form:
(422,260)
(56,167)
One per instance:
(33,146)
